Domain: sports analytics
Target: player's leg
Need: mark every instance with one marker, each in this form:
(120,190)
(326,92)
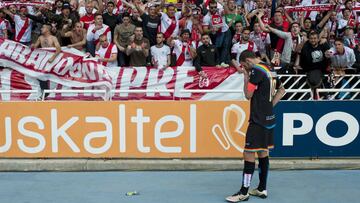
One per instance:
(251,147)
(248,171)
(263,157)
(260,191)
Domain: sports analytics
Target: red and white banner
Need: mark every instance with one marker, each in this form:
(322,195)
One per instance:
(319,7)
(316,7)
(24,68)
(134,78)
(68,68)
(23,3)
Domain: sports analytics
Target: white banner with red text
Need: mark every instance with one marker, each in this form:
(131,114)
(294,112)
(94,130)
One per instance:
(23,68)
(69,68)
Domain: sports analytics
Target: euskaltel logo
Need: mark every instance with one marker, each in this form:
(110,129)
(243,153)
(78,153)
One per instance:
(231,133)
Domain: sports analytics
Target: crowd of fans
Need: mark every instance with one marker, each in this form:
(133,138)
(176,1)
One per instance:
(195,32)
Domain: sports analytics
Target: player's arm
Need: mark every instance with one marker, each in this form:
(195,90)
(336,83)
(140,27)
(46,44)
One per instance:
(279,94)
(248,87)
(252,78)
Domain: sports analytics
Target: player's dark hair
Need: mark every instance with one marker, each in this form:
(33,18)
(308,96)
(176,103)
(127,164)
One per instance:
(246,55)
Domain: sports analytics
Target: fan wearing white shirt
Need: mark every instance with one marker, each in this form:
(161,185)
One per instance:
(23,25)
(244,44)
(95,31)
(214,22)
(107,52)
(160,53)
(342,57)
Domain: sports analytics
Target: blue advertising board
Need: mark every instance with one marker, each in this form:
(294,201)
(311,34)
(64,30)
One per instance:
(317,129)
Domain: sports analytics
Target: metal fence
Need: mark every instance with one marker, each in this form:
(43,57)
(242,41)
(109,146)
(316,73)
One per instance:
(346,87)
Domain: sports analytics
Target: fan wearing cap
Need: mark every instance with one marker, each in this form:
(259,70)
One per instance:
(67,16)
(183,50)
(23,25)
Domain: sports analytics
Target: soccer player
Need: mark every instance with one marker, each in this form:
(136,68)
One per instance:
(264,90)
